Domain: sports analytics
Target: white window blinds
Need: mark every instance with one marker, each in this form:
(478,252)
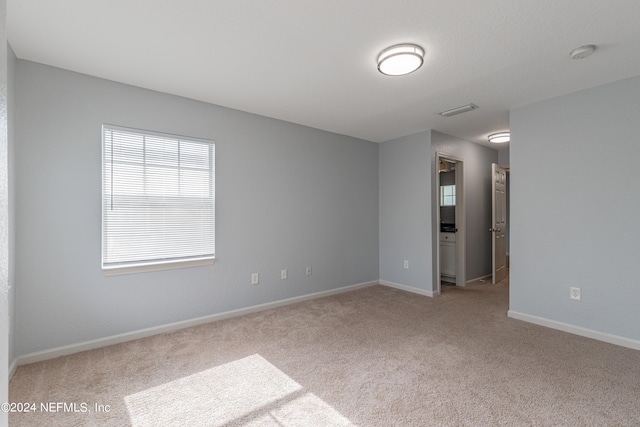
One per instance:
(158,199)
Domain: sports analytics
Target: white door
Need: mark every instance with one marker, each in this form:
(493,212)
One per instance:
(499,222)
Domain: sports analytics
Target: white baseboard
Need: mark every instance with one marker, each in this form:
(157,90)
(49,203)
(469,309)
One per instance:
(479,278)
(576,330)
(410,289)
(143,333)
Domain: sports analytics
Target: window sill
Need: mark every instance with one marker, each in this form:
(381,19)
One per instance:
(157,266)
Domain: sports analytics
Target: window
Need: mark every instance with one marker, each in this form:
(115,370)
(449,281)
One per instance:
(448,195)
(158,201)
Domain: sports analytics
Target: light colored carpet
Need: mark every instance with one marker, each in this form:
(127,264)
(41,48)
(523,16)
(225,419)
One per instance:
(373,357)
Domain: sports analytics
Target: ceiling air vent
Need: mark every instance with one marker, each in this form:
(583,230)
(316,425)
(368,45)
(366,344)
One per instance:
(459,110)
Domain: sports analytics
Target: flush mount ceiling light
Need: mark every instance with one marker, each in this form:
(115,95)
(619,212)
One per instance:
(459,110)
(400,59)
(500,137)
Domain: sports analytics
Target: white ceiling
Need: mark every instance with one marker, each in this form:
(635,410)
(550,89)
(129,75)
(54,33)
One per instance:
(313,62)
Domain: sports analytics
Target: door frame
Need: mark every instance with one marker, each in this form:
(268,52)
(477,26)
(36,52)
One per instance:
(461,221)
(494,273)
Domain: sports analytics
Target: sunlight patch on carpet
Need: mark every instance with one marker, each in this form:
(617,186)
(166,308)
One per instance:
(250,391)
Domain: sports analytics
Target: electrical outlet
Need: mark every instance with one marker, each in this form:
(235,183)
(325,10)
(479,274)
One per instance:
(255,278)
(283,274)
(307,271)
(406,264)
(574,293)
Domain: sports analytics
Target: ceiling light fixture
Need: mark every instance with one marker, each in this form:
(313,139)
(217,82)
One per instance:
(400,59)
(500,137)
(459,110)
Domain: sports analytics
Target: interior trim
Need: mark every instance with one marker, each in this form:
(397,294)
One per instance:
(576,330)
(52,353)
(410,289)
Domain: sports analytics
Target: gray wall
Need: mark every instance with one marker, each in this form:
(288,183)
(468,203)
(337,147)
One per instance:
(287,196)
(407,207)
(572,225)
(11,122)
(503,156)
(5,255)
(477,184)
(405,211)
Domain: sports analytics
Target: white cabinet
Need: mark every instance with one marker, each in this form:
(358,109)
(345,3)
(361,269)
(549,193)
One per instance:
(448,255)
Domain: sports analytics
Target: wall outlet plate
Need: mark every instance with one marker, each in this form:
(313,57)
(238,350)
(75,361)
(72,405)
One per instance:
(574,293)
(255,278)
(283,274)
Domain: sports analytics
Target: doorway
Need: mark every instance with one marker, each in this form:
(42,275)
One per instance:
(499,223)
(450,222)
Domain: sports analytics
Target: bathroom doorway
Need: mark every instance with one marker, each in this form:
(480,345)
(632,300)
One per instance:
(451,221)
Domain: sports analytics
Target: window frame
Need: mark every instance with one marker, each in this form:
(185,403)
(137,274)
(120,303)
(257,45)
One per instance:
(130,267)
(444,198)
